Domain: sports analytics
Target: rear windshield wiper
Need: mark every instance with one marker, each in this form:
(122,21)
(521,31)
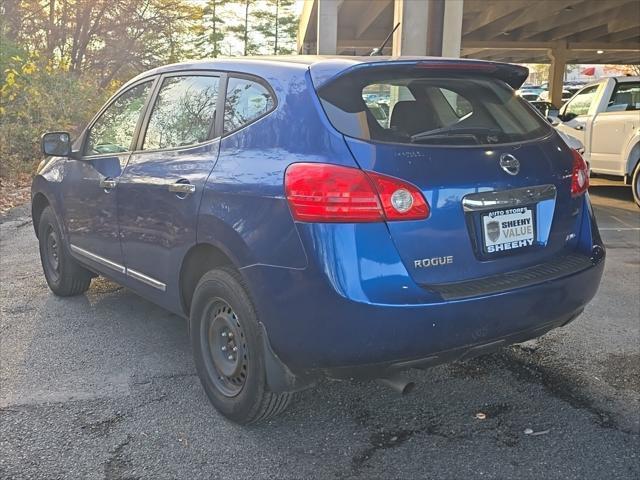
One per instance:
(449,131)
(462,139)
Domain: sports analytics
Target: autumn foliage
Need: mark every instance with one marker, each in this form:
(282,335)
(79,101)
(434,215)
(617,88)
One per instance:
(61,59)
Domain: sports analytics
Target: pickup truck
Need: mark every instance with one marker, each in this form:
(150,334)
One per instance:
(605,117)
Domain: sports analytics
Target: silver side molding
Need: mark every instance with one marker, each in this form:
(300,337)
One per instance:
(479,202)
(146,279)
(141,277)
(98,259)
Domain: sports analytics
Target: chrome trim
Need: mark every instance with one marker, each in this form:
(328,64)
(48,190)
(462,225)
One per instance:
(98,259)
(145,279)
(509,164)
(108,183)
(119,268)
(479,202)
(184,188)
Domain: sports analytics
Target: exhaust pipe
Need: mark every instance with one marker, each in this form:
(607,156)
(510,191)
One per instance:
(397,383)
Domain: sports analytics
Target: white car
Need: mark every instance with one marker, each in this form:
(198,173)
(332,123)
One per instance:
(605,117)
(544,96)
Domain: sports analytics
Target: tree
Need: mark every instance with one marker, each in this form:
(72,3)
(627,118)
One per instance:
(242,31)
(110,38)
(61,59)
(634,70)
(538,72)
(278,23)
(211,31)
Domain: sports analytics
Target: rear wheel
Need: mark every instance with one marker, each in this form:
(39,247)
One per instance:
(64,275)
(635,184)
(228,352)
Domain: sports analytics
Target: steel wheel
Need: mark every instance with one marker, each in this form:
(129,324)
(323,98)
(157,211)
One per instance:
(226,350)
(635,184)
(64,275)
(53,251)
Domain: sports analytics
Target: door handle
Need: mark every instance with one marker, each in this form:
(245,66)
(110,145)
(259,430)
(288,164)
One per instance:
(108,183)
(180,187)
(579,127)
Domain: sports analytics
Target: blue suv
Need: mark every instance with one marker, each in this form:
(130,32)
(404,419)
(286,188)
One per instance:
(324,217)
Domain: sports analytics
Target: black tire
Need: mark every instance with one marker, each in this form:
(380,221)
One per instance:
(65,276)
(228,351)
(635,184)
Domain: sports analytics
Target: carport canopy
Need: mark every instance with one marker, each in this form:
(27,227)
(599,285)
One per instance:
(518,31)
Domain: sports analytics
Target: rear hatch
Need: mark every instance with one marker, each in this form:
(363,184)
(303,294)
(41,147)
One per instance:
(495,175)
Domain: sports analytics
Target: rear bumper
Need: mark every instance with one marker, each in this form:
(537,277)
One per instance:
(354,310)
(317,329)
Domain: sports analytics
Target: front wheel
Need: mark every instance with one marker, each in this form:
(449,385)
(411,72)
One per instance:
(228,352)
(64,275)
(635,184)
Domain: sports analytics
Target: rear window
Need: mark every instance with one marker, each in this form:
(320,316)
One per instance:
(442,110)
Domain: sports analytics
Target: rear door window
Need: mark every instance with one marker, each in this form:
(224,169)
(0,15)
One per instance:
(183,113)
(246,101)
(625,97)
(446,110)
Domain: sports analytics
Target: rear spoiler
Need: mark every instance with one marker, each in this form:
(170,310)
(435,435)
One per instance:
(324,73)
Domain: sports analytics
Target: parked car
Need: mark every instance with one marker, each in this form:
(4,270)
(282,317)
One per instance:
(529,96)
(605,117)
(573,86)
(531,91)
(544,96)
(547,109)
(262,200)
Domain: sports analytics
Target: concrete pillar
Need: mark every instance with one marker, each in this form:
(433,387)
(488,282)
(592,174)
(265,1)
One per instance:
(558,56)
(327,33)
(452,33)
(435,27)
(411,36)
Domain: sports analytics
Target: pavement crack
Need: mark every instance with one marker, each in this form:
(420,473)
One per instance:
(152,400)
(384,437)
(24,224)
(557,384)
(169,376)
(103,427)
(380,441)
(117,463)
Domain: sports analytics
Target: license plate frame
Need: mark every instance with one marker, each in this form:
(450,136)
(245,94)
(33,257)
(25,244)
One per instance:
(516,229)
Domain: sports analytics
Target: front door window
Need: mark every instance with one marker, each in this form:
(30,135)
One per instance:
(114,130)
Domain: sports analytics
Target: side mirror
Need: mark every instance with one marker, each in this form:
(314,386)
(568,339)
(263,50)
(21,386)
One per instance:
(554,121)
(57,144)
(567,117)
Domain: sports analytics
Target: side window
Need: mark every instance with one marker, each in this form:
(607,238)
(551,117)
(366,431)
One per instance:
(183,112)
(626,97)
(246,100)
(581,103)
(113,131)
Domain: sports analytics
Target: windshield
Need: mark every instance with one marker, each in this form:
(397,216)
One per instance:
(442,110)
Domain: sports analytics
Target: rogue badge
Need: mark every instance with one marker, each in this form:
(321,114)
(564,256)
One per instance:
(433,262)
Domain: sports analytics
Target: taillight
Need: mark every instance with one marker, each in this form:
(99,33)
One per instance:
(319,192)
(400,200)
(580,174)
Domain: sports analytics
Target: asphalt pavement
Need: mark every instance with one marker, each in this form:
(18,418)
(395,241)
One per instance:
(102,386)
